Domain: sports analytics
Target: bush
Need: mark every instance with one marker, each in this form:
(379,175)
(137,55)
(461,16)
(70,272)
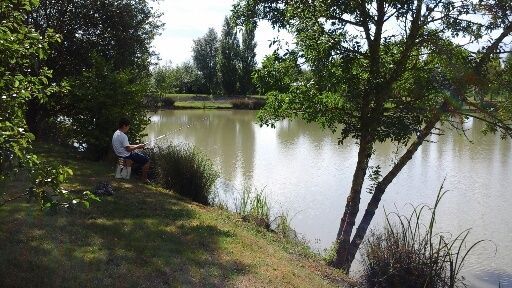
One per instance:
(248,104)
(167,102)
(410,254)
(98,99)
(253,207)
(186,171)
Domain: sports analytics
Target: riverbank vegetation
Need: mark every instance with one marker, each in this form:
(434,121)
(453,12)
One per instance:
(410,252)
(61,79)
(383,71)
(144,236)
(185,170)
(192,101)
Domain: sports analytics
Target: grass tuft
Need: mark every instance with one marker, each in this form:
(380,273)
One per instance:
(248,103)
(185,170)
(253,207)
(407,253)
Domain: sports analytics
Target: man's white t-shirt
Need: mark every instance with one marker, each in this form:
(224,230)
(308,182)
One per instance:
(119,142)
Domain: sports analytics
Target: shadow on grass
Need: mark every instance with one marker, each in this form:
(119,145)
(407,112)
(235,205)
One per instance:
(136,239)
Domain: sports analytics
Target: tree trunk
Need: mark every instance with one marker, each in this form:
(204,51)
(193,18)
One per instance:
(352,205)
(384,183)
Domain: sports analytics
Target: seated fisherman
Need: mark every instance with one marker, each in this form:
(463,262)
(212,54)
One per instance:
(123,149)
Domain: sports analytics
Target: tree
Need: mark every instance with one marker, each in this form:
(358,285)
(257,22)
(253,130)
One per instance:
(120,31)
(205,51)
(183,78)
(228,55)
(22,49)
(247,59)
(97,100)
(386,71)
(277,73)
(160,78)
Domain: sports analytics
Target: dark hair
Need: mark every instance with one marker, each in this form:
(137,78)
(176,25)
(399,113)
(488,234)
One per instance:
(123,122)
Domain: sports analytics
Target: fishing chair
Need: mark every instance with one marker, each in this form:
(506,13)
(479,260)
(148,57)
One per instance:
(123,168)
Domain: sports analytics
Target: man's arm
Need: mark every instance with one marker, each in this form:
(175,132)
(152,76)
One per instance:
(131,148)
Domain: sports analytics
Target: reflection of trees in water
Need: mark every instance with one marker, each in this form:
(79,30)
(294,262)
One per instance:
(289,133)
(472,143)
(226,136)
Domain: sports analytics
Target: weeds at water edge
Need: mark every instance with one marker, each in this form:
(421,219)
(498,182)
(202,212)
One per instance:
(408,253)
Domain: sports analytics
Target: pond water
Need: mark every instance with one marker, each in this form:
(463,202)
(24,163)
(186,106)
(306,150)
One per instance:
(306,173)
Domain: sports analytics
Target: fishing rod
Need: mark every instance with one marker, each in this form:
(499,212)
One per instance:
(153,141)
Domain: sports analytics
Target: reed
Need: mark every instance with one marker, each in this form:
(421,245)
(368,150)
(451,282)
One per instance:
(407,253)
(248,104)
(253,207)
(185,170)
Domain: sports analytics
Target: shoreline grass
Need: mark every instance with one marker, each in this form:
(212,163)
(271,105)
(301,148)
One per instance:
(199,101)
(144,237)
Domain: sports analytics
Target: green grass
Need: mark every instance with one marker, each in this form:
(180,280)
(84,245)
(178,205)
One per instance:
(144,237)
(203,105)
(201,101)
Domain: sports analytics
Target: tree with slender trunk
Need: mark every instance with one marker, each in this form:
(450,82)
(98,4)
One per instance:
(229,51)
(205,52)
(247,59)
(385,70)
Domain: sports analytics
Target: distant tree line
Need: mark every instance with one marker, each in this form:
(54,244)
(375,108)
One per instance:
(220,65)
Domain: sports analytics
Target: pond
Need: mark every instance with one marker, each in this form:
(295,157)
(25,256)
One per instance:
(306,173)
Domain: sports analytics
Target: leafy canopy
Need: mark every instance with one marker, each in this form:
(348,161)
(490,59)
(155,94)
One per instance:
(21,79)
(380,68)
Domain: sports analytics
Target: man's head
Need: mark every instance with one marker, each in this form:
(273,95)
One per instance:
(124,125)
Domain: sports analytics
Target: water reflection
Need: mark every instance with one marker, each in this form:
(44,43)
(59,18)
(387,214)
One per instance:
(306,173)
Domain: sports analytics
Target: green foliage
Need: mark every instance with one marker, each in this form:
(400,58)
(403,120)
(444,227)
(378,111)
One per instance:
(20,47)
(205,50)
(253,207)
(186,171)
(376,83)
(248,104)
(181,79)
(168,102)
(21,79)
(283,228)
(46,188)
(247,59)
(228,55)
(383,71)
(97,100)
(120,31)
(409,254)
(277,73)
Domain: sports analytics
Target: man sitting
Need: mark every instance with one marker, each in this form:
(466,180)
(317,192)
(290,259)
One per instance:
(123,149)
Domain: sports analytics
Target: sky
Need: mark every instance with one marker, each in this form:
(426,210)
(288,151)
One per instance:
(186,20)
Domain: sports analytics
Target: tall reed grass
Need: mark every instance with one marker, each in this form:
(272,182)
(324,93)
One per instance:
(185,170)
(407,253)
(248,104)
(253,207)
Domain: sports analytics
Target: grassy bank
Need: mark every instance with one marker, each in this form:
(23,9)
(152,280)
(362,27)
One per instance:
(191,101)
(145,237)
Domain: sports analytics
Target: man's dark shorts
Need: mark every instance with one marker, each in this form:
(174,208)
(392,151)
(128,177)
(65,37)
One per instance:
(137,158)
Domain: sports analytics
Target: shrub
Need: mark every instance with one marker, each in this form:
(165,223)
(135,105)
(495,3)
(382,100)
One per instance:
(253,207)
(98,98)
(167,102)
(186,171)
(248,104)
(409,254)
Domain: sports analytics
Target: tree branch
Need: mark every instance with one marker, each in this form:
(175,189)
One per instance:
(5,201)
